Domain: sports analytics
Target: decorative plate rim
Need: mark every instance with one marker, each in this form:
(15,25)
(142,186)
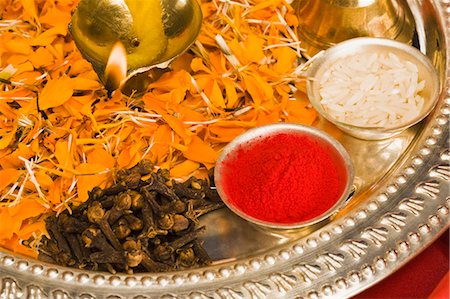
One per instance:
(339,260)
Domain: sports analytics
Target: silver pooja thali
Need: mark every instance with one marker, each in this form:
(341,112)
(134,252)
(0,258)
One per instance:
(402,204)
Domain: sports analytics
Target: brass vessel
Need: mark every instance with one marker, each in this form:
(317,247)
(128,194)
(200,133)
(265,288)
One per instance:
(152,31)
(323,23)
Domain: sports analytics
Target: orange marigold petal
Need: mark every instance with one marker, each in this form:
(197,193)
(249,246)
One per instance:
(55,16)
(200,151)
(18,46)
(173,80)
(184,168)
(8,225)
(29,7)
(28,229)
(286,58)
(8,176)
(12,160)
(63,154)
(177,125)
(56,92)
(253,89)
(7,139)
(218,62)
(48,36)
(41,57)
(24,67)
(26,208)
(14,244)
(214,93)
(159,143)
(44,179)
(238,50)
(230,90)
(223,134)
(101,156)
(198,65)
(299,113)
(91,176)
(81,83)
(254,48)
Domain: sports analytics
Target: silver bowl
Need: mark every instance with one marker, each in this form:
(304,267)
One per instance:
(270,130)
(355,46)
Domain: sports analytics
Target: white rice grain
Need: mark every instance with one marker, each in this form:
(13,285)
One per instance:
(372,89)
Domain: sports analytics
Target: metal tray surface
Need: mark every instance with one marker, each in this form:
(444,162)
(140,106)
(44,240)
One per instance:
(401,205)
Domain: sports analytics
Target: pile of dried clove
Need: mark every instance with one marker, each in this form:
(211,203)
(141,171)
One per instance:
(146,222)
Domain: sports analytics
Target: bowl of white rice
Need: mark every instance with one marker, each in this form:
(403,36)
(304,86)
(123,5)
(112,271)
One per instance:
(373,88)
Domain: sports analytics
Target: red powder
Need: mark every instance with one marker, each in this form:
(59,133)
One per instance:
(284,178)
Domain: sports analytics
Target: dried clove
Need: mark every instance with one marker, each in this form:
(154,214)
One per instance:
(194,212)
(122,205)
(144,222)
(102,257)
(122,229)
(147,218)
(176,206)
(150,197)
(186,238)
(96,193)
(144,167)
(93,237)
(200,252)
(96,214)
(132,181)
(56,235)
(166,222)
(71,224)
(153,266)
(134,223)
(188,190)
(76,247)
(161,189)
(137,200)
(180,223)
(164,253)
(186,257)
(133,253)
(162,175)
(46,258)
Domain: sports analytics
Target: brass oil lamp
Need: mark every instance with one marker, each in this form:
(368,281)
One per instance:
(149,33)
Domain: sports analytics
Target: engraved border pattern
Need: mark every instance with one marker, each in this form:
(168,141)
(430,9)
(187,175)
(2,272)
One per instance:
(340,260)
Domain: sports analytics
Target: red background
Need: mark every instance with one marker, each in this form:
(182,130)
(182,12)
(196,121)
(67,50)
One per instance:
(419,278)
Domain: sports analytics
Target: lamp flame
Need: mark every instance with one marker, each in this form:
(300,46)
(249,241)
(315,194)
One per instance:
(116,68)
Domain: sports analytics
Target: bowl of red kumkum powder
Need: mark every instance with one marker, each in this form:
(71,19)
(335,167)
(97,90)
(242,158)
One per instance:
(284,176)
